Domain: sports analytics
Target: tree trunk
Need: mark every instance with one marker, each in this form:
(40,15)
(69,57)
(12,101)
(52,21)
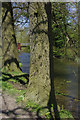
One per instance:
(41,81)
(0,37)
(10,61)
(39,85)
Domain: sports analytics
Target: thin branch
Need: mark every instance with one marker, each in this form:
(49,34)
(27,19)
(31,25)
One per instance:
(5,15)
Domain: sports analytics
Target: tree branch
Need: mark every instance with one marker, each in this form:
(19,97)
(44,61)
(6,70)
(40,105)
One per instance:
(5,15)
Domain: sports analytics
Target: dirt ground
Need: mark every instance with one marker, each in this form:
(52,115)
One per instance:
(10,109)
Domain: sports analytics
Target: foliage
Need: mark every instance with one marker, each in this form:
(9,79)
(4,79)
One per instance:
(34,107)
(64,27)
(8,87)
(64,35)
(65,30)
(65,114)
(25,49)
(45,112)
(20,64)
(15,77)
(21,18)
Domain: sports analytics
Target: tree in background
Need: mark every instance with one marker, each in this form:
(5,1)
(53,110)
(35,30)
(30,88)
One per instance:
(21,22)
(50,26)
(10,61)
(65,29)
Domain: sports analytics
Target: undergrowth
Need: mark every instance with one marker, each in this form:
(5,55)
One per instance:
(45,112)
(20,96)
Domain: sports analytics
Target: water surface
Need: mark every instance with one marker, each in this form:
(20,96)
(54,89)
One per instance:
(66,82)
(66,77)
(24,58)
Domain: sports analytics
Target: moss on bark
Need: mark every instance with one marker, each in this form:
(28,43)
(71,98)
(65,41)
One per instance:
(8,38)
(39,85)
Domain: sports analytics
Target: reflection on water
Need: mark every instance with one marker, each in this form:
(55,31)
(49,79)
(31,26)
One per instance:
(66,76)
(66,82)
(24,58)
(73,76)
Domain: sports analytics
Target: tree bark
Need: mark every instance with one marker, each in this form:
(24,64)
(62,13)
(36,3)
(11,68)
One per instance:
(39,85)
(10,61)
(41,81)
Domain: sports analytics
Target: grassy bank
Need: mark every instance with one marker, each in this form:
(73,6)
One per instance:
(11,85)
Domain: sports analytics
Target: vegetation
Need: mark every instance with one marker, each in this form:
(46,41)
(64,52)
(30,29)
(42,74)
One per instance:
(65,22)
(52,30)
(32,106)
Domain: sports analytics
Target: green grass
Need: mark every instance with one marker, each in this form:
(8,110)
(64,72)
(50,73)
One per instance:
(14,77)
(65,114)
(45,112)
(20,96)
(6,82)
(8,87)
(34,107)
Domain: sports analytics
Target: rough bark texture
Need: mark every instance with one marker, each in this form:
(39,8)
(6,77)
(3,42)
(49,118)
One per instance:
(39,85)
(0,38)
(8,38)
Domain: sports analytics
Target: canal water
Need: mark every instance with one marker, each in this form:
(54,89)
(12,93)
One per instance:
(66,82)
(24,58)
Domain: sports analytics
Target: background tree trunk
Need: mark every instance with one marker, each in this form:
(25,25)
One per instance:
(10,61)
(0,37)
(39,85)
